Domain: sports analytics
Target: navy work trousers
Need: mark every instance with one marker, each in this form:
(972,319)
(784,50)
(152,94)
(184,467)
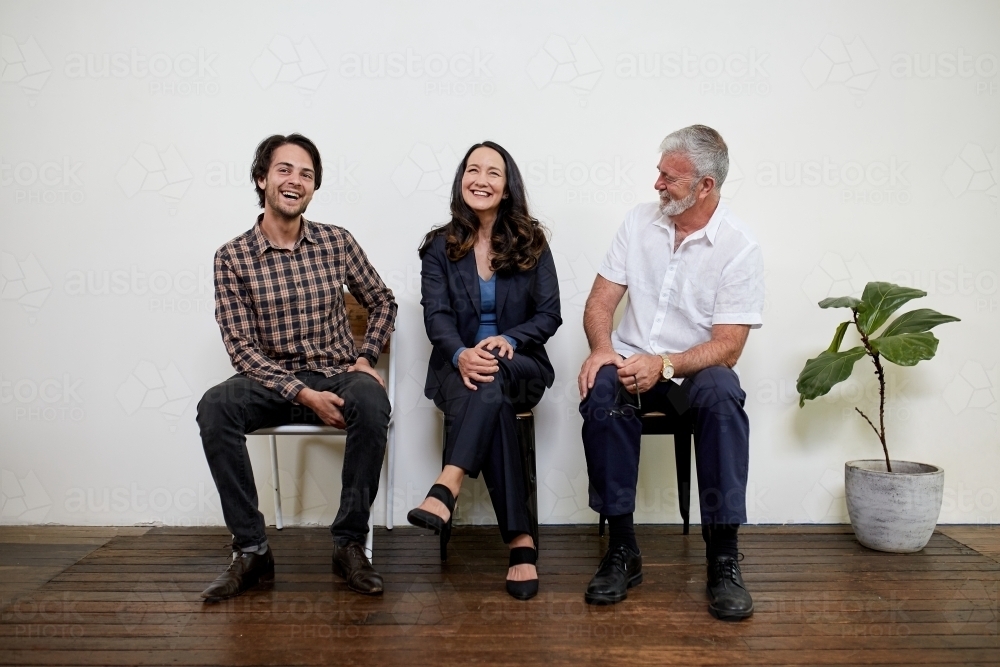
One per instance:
(714,401)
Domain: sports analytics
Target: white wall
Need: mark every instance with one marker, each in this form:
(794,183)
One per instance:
(888,111)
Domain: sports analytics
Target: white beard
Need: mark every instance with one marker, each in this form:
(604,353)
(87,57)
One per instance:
(678,206)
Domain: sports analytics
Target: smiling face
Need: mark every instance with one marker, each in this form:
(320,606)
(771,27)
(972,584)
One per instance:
(290,182)
(677,184)
(484,183)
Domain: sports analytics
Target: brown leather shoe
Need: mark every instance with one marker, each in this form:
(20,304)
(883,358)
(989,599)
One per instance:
(245,572)
(350,563)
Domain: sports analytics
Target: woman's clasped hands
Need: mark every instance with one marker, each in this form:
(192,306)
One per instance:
(479,363)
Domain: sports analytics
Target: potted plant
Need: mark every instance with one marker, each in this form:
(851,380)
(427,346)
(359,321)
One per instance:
(893,505)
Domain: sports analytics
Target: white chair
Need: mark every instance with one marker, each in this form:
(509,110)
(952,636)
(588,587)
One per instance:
(357,322)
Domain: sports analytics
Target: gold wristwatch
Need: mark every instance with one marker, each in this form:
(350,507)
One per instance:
(668,368)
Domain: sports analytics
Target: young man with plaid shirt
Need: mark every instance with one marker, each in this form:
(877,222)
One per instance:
(280,306)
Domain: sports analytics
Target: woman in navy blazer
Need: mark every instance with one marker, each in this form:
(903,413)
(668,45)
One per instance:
(491,300)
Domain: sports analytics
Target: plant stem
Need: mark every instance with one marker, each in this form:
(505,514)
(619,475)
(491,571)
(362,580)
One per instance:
(880,373)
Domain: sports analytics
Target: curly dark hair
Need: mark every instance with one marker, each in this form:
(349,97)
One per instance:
(518,239)
(262,159)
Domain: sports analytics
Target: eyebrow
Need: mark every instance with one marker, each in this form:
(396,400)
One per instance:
(289,164)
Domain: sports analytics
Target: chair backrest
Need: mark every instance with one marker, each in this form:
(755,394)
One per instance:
(358,318)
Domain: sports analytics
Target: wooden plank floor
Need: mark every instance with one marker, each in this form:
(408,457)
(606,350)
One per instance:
(821,599)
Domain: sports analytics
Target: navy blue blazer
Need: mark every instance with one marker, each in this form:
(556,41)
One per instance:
(527,309)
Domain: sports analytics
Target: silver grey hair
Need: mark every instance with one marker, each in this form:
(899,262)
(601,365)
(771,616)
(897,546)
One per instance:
(704,147)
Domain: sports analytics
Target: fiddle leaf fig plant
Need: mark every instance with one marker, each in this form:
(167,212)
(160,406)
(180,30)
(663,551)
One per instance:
(905,342)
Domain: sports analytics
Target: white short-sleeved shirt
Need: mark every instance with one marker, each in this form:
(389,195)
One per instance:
(715,277)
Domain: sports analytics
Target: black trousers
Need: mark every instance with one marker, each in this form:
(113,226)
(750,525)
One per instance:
(230,410)
(612,429)
(482,434)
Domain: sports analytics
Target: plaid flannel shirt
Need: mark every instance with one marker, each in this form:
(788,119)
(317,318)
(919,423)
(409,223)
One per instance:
(282,311)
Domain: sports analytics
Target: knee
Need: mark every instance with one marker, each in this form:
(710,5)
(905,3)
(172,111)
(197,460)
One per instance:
(218,407)
(713,385)
(371,402)
(604,393)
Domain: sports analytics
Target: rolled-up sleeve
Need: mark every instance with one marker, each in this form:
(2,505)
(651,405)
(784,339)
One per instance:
(740,299)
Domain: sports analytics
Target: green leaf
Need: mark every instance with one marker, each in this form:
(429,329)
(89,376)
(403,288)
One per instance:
(838,337)
(879,301)
(840,302)
(917,321)
(820,374)
(906,349)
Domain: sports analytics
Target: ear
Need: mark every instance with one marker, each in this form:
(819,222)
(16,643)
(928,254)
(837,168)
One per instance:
(262,183)
(707,185)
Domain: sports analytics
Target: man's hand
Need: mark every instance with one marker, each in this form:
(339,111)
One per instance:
(593,363)
(325,404)
(644,370)
(499,343)
(362,366)
(477,364)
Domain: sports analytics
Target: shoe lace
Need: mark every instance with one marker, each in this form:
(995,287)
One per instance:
(727,568)
(616,556)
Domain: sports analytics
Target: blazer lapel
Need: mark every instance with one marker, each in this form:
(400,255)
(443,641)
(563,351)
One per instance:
(467,269)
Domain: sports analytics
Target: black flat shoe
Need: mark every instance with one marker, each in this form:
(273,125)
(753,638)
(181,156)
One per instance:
(620,570)
(246,571)
(523,590)
(727,594)
(424,519)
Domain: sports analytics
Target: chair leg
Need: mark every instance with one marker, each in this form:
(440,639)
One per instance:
(526,444)
(682,457)
(600,526)
(390,497)
(370,538)
(279,524)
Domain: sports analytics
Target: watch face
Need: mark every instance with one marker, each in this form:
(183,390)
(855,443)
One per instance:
(668,372)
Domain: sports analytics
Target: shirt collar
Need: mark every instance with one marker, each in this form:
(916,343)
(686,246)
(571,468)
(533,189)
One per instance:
(259,243)
(709,231)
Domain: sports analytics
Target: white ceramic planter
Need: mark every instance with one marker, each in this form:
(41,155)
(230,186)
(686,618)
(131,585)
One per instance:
(894,511)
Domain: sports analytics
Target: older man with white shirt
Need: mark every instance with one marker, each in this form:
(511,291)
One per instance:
(694,276)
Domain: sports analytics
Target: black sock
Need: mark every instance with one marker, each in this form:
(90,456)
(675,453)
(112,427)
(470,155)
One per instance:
(622,532)
(720,540)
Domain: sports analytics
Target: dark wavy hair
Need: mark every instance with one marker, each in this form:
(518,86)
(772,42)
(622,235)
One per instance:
(262,159)
(518,239)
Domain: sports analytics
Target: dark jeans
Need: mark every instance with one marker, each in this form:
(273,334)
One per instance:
(482,434)
(230,410)
(611,433)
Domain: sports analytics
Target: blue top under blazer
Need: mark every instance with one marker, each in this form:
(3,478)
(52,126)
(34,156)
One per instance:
(527,308)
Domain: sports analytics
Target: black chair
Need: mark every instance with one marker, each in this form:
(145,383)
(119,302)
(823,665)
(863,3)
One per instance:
(526,442)
(657,423)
